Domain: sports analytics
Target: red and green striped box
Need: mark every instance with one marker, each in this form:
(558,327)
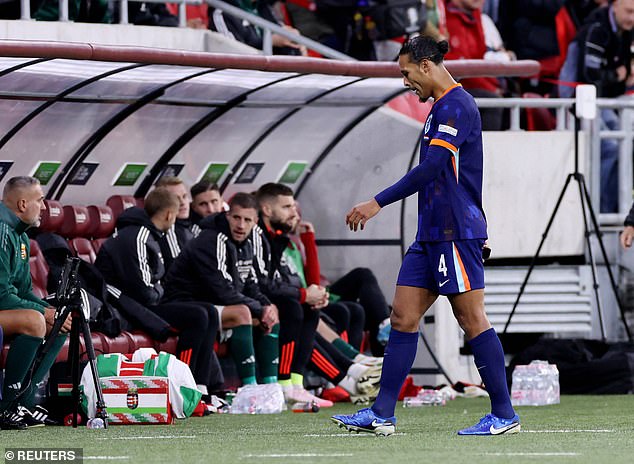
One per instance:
(137,400)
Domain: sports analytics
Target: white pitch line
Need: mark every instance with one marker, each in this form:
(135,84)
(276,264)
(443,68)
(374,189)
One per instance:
(569,431)
(370,435)
(155,437)
(533,454)
(300,455)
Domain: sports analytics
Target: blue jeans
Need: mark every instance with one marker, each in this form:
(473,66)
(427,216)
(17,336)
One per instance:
(609,163)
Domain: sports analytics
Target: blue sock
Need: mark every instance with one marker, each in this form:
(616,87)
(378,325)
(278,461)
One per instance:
(398,359)
(489,359)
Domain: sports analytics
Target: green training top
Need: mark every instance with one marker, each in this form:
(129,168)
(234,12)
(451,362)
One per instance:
(16,290)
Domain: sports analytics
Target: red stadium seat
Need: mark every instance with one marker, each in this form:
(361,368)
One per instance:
(76,221)
(97,242)
(120,202)
(169,346)
(101,221)
(139,340)
(118,344)
(39,270)
(83,249)
(52,216)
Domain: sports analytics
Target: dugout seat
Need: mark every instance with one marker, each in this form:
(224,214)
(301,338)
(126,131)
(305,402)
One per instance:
(97,242)
(117,203)
(76,222)
(83,249)
(101,221)
(52,217)
(39,270)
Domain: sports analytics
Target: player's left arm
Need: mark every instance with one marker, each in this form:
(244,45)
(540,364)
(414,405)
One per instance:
(454,125)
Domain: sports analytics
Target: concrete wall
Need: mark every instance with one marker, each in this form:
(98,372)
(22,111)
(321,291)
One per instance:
(115,34)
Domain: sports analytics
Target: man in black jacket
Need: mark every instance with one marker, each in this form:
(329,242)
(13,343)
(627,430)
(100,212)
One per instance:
(132,262)
(206,200)
(600,55)
(217,266)
(298,306)
(177,236)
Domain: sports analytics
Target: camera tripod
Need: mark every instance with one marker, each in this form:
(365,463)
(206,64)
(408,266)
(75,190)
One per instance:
(586,210)
(69,303)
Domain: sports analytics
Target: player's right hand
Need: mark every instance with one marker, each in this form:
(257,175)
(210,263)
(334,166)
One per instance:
(49,316)
(315,295)
(362,213)
(626,237)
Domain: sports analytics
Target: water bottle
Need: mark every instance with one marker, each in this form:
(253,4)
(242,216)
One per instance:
(542,381)
(518,392)
(95,423)
(553,374)
(413,402)
(530,384)
(383,333)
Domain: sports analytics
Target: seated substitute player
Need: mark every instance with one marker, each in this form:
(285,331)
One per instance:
(183,230)
(24,318)
(206,200)
(132,262)
(298,307)
(217,266)
(446,257)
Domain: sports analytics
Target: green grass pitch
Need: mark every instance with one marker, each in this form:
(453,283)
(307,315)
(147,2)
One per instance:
(582,429)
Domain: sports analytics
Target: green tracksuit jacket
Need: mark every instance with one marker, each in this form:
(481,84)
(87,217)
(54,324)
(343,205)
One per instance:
(16,291)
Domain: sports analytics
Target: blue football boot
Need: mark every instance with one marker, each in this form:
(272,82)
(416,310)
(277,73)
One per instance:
(493,425)
(366,421)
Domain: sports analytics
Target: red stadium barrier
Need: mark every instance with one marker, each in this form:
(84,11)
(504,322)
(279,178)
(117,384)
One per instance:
(88,51)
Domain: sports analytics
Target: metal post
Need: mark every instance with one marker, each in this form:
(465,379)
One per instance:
(63,10)
(561,117)
(267,42)
(625,163)
(515,117)
(595,161)
(182,14)
(25,9)
(123,12)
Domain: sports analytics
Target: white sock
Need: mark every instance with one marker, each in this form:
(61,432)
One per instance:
(349,384)
(356,370)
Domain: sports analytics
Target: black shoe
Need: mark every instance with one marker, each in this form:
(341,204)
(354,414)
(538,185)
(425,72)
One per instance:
(7,422)
(36,417)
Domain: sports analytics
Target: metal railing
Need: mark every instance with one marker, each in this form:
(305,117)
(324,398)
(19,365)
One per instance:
(268,28)
(594,135)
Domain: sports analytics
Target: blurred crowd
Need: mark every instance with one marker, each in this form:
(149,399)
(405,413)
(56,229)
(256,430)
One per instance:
(575,41)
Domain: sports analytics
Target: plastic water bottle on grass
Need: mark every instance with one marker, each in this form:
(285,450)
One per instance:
(518,392)
(95,423)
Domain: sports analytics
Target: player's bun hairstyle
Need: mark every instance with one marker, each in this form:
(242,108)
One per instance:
(422,47)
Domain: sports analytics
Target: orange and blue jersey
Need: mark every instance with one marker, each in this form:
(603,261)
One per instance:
(448,179)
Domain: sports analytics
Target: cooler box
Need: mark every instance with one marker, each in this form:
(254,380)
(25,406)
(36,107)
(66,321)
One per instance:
(137,400)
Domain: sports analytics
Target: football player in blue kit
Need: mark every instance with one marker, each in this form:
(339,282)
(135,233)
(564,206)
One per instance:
(446,258)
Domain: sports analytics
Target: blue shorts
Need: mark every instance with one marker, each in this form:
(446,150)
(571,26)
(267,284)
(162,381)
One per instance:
(445,268)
